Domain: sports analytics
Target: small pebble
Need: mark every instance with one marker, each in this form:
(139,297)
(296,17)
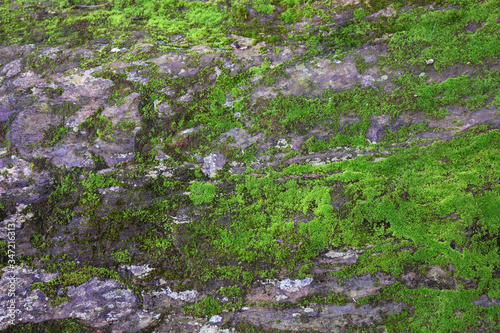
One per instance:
(430,62)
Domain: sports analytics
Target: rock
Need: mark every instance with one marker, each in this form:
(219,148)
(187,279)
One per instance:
(242,139)
(13,222)
(348,257)
(186,296)
(215,319)
(388,12)
(150,207)
(322,318)
(294,285)
(281,144)
(82,83)
(22,184)
(185,98)
(114,50)
(209,329)
(164,110)
(139,271)
(213,162)
(484,300)
(28,79)
(12,68)
(437,277)
(97,303)
(374,133)
(189,131)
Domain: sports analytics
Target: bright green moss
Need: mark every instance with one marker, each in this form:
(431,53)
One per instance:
(201,193)
(122,257)
(208,307)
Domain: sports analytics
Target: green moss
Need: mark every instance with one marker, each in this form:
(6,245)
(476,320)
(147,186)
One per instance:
(360,13)
(54,134)
(208,307)
(201,193)
(360,65)
(65,109)
(97,126)
(51,326)
(54,93)
(90,199)
(122,257)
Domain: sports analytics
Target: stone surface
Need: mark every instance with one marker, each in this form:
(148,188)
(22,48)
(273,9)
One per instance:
(98,302)
(213,162)
(31,169)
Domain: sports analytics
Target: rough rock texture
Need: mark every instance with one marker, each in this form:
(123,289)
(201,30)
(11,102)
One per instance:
(165,182)
(97,301)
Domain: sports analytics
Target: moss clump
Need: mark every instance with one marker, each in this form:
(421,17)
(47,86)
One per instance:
(65,109)
(54,134)
(361,65)
(50,326)
(201,193)
(96,126)
(122,257)
(208,307)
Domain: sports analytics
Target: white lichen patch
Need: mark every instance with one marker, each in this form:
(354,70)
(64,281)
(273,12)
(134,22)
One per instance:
(139,271)
(209,329)
(270,281)
(117,294)
(186,296)
(215,319)
(294,285)
(338,254)
(281,144)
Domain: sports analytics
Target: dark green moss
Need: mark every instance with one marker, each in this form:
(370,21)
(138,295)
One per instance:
(52,326)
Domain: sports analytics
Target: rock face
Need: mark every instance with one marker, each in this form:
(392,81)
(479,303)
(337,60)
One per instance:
(213,162)
(98,302)
(309,167)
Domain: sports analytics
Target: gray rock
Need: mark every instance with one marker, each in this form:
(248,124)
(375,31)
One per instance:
(213,162)
(242,139)
(294,285)
(484,300)
(319,318)
(12,68)
(98,303)
(374,133)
